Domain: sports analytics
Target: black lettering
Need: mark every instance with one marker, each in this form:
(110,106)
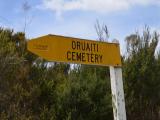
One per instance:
(91,47)
(88,57)
(87,47)
(100,56)
(68,53)
(79,57)
(94,47)
(73,45)
(73,56)
(83,57)
(78,46)
(83,46)
(96,58)
(92,58)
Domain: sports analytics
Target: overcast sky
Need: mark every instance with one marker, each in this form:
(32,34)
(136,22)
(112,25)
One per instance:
(77,18)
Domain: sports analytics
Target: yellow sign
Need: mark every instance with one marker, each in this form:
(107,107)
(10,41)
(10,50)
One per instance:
(73,50)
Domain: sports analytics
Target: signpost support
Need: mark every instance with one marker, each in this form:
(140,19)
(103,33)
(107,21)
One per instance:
(80,51)
(118,101)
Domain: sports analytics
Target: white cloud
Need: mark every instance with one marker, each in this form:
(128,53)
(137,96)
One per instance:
(103,6)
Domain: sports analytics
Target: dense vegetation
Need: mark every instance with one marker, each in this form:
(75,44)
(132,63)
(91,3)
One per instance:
(33,89)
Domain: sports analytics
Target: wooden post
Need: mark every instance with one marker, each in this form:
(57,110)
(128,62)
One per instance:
(118,101)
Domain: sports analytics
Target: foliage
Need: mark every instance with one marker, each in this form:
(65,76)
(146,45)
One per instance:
(34,89)
(141,74)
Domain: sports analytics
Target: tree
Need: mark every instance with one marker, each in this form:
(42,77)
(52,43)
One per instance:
(32,88)
(141,74)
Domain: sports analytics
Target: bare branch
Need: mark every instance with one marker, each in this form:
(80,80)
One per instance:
(25,7)
(102,31)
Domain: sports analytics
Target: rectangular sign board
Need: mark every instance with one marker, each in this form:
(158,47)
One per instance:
(73,50)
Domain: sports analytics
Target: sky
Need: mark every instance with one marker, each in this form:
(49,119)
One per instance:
(77,18)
